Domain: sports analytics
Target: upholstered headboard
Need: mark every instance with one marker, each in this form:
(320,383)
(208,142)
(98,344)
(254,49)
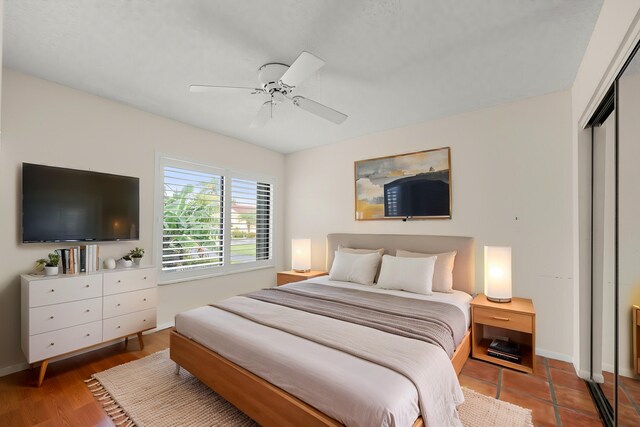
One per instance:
(463,269)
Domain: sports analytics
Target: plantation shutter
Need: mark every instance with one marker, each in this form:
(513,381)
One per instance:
(192,229)
(251,221)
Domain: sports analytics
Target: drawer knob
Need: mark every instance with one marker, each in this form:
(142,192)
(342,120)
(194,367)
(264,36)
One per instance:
(87,310)
(144,320)
(118,327)
(144,299)
(86,286)
(53,290)
(51,317)
(118,305)
(88,335)
(52,344)
(505,319)
(144,278)
(119,281)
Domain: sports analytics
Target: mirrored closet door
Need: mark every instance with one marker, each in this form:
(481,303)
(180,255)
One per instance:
(615,255)
(628,289)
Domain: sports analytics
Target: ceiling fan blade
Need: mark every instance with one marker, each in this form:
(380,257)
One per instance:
(207,88)
(319,110)
(264,114)
(304,66)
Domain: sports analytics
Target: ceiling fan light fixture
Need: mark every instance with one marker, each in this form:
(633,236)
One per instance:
(278,81)
(278,96)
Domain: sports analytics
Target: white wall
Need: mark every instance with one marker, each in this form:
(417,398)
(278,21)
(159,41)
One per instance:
(51,124)
(615,34)
(508,162)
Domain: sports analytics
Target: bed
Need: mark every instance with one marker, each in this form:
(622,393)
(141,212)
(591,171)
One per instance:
(270,374)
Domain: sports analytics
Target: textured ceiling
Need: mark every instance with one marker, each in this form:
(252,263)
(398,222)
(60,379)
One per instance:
(389,63)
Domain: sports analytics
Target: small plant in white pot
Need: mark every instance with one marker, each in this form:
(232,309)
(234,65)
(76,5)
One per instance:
(49,264)
(126,261)
(136,254)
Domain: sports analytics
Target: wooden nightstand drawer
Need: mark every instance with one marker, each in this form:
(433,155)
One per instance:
(283,279)
(503,319)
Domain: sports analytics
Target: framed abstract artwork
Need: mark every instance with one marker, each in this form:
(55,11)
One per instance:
(412,185)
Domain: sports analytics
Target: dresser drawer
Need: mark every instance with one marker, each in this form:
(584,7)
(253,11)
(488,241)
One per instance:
(129,280)
(64,289)
(58,316)
(129,302)
(51,344)
(503,319)
(128,324)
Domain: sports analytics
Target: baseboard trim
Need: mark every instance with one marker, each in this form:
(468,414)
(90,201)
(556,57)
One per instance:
(12,369)
(162,327)
(551,355)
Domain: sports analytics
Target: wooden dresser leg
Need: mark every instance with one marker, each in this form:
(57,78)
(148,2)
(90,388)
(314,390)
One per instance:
(43,369)
(140,341)
(126,342)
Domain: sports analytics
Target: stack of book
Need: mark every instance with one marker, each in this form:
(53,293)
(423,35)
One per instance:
(505,350)
(80,259)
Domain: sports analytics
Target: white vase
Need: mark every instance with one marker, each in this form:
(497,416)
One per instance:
(109,263)
(137,261)
(126,263)
(50,271)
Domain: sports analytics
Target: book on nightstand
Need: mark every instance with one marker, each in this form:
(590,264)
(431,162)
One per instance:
(505,350)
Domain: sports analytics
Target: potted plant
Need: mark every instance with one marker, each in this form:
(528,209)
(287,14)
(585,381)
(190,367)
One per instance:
(126,261)
(50,264)
(136,254)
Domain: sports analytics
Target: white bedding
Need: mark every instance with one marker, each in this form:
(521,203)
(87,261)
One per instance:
(373,392)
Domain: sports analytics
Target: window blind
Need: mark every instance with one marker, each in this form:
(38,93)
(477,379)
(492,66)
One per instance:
(251,223)
(193,220)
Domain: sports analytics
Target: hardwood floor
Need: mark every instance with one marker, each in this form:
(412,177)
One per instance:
(555,394)
(64,399)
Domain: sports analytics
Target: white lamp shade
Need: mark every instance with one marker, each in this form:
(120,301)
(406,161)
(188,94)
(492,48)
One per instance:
(301,254)
(497,273)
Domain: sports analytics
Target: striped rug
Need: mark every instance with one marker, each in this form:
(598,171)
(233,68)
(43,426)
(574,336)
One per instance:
(147,392)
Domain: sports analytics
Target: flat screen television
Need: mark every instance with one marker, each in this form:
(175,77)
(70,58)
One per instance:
(69,205)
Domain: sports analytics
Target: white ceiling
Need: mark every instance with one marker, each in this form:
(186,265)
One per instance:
(389,63)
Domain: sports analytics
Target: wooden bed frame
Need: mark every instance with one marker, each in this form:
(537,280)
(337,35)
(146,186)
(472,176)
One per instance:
(268,404)
(265,403)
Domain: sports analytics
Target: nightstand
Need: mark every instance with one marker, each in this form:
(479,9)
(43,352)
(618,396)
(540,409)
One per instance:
(515,320)
(291,276)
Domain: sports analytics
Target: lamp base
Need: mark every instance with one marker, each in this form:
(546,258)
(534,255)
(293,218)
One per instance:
(302,271)
(492,299)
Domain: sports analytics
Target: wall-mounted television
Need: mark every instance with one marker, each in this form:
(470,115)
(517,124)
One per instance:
(70,205)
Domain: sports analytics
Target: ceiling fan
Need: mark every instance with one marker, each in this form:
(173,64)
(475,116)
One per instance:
(278,81)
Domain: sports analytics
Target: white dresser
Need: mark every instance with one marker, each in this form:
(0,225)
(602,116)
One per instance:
(66,313)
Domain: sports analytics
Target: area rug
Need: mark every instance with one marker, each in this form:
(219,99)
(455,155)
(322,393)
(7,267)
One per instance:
(147,392)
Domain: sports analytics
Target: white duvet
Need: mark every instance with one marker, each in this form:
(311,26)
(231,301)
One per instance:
(350,389)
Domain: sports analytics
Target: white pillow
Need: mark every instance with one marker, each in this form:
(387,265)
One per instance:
(443,273)
(363,251)
(358,268)
(360,251)
(407,274)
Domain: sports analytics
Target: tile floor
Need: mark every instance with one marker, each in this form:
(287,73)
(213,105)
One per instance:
(628,399)
(554,393)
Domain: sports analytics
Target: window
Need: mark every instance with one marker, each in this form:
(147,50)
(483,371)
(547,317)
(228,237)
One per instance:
(212,220)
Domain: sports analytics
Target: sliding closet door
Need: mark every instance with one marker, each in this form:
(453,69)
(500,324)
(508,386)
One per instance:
(628,409)
(604,256)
